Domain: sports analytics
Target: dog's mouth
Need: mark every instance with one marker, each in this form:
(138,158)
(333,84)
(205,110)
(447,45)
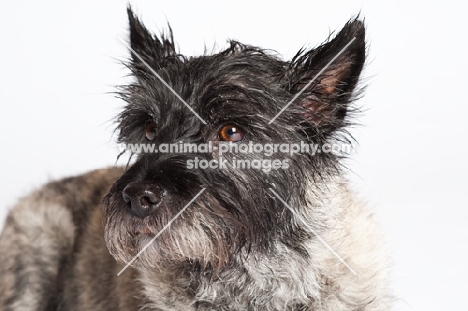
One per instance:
(165,237)
(145,230)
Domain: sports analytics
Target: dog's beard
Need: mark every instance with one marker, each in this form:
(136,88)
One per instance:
(194,236)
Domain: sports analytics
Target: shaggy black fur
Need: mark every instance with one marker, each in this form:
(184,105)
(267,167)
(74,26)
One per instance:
(245,86)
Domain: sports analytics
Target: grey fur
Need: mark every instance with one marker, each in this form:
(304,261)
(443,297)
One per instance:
(237,247)
(38,238)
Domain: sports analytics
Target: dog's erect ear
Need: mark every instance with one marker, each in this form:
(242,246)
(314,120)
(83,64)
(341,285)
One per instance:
(153,50)
(336,66)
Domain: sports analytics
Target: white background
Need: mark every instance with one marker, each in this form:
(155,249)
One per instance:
(59,62)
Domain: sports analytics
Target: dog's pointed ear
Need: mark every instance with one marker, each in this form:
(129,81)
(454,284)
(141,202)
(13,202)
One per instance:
(153,50)
(324,79)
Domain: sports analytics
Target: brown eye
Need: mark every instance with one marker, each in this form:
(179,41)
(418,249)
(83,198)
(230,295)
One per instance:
(231,132)
(150,130)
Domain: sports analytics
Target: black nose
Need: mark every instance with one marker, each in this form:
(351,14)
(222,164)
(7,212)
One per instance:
(142,198)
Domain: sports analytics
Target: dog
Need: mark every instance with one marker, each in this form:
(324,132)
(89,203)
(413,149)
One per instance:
(167,233)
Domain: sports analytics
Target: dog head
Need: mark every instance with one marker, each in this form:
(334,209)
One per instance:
(237,95)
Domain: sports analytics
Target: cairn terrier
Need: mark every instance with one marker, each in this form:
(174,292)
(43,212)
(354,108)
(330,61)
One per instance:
(200,230)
